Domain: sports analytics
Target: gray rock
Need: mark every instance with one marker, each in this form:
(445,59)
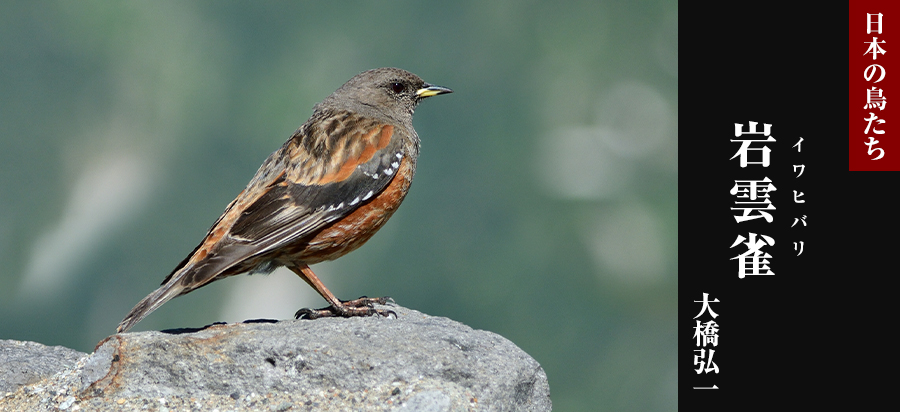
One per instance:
(414,362)
(24,363)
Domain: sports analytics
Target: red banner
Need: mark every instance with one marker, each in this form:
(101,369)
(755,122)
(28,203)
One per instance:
(874,72)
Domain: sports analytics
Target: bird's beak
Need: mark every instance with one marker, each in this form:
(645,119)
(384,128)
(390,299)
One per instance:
(429,90)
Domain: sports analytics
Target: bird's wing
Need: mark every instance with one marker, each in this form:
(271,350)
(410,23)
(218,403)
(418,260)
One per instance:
(324,172)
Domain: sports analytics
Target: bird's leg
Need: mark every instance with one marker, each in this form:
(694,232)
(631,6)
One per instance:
(357,307)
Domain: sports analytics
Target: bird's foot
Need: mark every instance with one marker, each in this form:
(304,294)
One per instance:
(363,306)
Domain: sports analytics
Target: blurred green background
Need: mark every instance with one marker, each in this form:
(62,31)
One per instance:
(544,206)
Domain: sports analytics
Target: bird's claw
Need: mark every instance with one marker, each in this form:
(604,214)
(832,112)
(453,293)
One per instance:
(364,306)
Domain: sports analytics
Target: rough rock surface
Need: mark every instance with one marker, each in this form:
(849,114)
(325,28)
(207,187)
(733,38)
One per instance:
(413,362)
(24,363)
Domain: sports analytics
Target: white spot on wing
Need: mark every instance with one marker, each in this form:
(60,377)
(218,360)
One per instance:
(355,201)
(368,195)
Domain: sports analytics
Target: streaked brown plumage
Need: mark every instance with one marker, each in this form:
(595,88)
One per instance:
(323,194)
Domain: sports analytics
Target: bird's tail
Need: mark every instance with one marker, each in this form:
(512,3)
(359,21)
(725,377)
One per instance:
(167,291)
(190,274)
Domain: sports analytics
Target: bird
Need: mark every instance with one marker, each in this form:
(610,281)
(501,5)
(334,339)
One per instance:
(324,193)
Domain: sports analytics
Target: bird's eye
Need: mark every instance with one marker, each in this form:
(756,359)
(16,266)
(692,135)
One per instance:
(397,87)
